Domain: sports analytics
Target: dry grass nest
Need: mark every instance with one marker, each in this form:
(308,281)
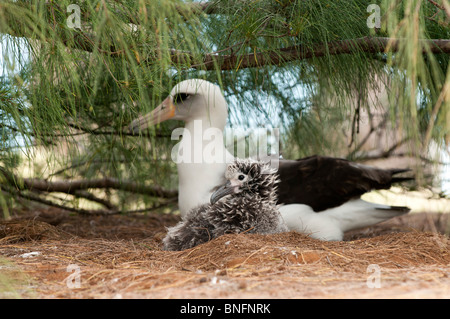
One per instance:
(136,261)
(229,251)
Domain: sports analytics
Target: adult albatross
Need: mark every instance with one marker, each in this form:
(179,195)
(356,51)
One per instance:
(324,192)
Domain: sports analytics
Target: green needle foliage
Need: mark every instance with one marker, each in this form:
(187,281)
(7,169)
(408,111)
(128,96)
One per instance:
(71,89)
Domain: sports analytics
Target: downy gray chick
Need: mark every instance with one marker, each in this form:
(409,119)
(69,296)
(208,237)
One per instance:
(246,203)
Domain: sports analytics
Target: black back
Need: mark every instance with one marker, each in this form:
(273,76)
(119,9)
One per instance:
(325,182)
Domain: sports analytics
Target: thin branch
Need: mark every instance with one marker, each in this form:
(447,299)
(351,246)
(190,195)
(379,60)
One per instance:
(84,41)
(295,53)
(115,132)
(35,198)
(444,6)
(16,130)
(400,155)
(392,149)
(31,196)
(387,153)
(158,206)
(91,197)
(356,119)
(436,4)
(70,187)
(81,163)
(363,141)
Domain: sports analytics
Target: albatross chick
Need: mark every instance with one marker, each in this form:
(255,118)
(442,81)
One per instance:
(246,203)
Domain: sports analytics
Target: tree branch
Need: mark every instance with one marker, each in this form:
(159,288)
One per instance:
(72,187)
(388,153)
(274,57)
(83,41)
(363,141)
(444,6)
(115,132)
(93,198)
(35,198)
(294,53)
(31,196)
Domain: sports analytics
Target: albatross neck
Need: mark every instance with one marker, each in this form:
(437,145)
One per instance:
(199,177)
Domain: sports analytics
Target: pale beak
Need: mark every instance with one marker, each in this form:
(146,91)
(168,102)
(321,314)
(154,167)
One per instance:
(163,112)
(224,190)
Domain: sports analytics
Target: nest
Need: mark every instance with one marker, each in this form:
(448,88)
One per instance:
(121,256)
(28,229)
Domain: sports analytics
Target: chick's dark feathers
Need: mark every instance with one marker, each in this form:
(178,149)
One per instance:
(253,210)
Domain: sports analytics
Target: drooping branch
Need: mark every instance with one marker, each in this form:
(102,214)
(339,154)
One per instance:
(91,197)
(84,41)
(210,61)
(380,126)
(444,6)
(117,132)
(273,57)
(35,198)
(32,196)
(72,187)
(295,53)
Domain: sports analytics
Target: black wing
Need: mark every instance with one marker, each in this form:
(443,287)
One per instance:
(325,182)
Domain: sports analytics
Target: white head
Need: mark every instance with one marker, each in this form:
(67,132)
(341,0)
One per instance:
(189,100)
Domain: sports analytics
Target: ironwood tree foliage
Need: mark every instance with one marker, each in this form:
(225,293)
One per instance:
(88,68)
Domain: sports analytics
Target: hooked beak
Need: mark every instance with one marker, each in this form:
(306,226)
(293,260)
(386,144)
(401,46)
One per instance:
(163,112)
(224,190)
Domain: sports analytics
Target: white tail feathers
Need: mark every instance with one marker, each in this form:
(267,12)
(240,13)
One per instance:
(332,223)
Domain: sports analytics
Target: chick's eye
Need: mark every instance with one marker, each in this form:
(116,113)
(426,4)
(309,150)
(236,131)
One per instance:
(241,177)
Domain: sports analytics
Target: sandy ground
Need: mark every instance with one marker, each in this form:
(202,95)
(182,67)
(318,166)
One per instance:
(50,254)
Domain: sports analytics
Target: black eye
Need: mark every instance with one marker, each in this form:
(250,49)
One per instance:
(241,177)
(180,97)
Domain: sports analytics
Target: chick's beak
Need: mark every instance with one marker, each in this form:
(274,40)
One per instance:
(224,190)
(163,112)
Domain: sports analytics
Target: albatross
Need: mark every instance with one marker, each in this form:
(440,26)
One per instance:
(320,195)
(247,202)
